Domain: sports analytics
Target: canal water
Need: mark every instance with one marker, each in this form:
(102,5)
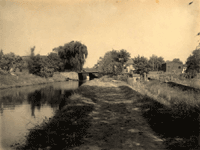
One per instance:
(23,108)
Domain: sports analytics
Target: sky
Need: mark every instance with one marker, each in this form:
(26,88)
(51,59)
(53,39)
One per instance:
(166,28)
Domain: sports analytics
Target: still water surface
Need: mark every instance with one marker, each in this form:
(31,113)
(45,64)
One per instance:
(23,108)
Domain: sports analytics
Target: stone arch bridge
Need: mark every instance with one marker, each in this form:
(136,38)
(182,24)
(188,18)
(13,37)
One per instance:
(88,74)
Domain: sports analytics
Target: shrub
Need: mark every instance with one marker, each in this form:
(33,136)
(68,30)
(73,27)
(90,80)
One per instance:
(3,72)
(40,66)
(56,62)
(189,75)
(10,60)
(123,77)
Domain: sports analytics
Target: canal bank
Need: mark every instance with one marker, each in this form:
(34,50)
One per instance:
(25,79)
(23,108)
(109,114)
(99,115)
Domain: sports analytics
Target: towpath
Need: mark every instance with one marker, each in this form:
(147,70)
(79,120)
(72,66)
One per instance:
(116,119)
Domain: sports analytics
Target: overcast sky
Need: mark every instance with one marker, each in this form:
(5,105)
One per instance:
(166,28)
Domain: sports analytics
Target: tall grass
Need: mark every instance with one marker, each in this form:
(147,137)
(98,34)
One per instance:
(24,79)
(177,78)
(171,96)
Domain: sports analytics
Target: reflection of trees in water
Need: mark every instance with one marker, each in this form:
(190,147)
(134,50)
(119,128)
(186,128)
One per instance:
(35,100)
(1,107)
(17,98)
(47,96)
(10,101)
(50,95)
(64,99)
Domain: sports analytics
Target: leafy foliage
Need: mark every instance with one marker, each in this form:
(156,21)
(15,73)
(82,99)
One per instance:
(56,62)
(156,62)
(112,62)
(141,64)
(73,55)
(1,54)
(193,63)
(177,60)
(40,66)
(10,60)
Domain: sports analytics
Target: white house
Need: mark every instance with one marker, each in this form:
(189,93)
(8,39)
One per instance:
(184,68)
(129,66)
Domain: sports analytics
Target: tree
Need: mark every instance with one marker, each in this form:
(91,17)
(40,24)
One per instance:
(156,62)
(112,62)
(177,60)
(123,56)
(141,64)
(10,60)
(1,54)
(73,55)
(40,66)
(98,63)
(56,62)
(19,63)
(105,65)
(32,54)
(193,63)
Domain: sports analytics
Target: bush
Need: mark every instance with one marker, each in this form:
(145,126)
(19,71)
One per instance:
(40,66)
(123,77)
(10,60)
(3,72)
(189,75)
(56,61)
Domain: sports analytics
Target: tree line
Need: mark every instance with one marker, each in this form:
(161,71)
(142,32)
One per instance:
(113,62)
(72,56)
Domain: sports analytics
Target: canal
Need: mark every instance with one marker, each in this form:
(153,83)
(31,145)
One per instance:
(23,108)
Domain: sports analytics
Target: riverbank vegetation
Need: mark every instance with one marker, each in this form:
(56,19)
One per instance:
(99,115)
(25,79)
(70,57)
(110,114)
(114,63)
(169,94)
(16,71)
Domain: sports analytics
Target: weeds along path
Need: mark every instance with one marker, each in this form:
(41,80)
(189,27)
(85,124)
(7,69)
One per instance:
(116,123)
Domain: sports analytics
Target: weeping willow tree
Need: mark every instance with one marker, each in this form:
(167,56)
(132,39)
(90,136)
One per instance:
(73,55)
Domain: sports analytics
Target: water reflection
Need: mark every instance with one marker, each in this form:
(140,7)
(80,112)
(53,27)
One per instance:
(23,108)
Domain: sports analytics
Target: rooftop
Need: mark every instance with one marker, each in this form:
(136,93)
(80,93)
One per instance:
(130,61)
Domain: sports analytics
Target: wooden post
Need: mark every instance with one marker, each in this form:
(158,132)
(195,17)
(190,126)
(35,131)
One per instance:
(145,76)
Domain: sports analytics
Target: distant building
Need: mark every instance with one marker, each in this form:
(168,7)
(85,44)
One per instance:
(184,68)
(173,67)
(129,66)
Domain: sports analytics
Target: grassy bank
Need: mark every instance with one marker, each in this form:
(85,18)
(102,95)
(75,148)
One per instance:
(25,79)
(99,115)
(177,78)
(167,95)
(109,114)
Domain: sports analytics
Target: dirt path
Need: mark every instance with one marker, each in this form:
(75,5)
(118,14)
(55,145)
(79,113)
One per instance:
(116,120)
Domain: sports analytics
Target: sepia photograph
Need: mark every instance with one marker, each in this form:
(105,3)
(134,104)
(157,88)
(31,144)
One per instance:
(99,74)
